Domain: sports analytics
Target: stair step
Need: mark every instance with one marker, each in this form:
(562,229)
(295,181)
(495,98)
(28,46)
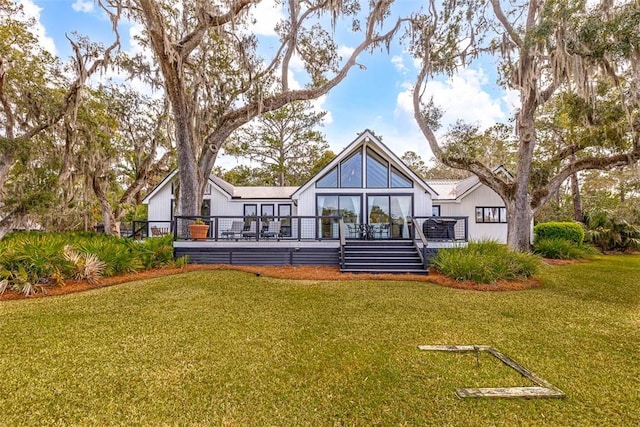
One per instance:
(412,261)
(384,271)
(379,256)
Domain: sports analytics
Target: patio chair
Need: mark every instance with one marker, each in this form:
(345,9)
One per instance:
(235,231)
(382,231)
(250,231)
(273,230)
(159,231)
(365,231)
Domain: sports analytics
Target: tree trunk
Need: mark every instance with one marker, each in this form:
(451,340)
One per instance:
(188,174)
(577,199)
(110,221)
(519,226)
(519,209)
(7,158)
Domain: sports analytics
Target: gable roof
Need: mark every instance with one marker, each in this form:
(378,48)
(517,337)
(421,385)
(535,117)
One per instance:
(230,190)
(160,186)
(457,189)
(367,138)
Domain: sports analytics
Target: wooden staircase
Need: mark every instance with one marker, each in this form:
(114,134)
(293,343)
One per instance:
(381,256)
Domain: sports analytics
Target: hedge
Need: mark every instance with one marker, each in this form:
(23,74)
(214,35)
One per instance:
(570,231)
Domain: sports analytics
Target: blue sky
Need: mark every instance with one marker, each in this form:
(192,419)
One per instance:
(376,98)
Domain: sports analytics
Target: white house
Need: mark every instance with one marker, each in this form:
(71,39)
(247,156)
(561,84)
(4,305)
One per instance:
(367,186)
(469,197)
(366,183)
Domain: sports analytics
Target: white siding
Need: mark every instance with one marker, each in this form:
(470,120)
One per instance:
(221,204)
(160,204)
(481,196)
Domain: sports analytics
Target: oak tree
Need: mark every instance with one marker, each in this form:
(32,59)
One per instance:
(217,75)
(541,48)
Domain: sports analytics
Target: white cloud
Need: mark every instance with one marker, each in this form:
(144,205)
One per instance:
(398,63)
(511,99)
(345,51)
(135,30)
(318,106)
(32,10)
(462,97)
(266,15)
(84,6)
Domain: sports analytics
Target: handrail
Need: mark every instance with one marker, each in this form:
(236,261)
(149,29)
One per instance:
(423,239)
(342,240)
(296,222)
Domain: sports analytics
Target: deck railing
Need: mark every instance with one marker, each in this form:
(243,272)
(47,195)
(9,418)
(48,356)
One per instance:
(250,228)
(417,234)
(444,228)
(299,228)
(143,229)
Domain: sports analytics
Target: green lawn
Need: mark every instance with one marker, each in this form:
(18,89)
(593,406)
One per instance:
(230,348)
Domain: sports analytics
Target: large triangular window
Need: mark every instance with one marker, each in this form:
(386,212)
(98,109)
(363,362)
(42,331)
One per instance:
(351,171)
(329,180)
(398,180)
(377,171)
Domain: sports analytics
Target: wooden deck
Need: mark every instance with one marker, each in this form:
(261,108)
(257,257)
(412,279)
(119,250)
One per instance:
(272,252)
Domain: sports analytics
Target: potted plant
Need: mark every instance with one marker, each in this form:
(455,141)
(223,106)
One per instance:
(198,230)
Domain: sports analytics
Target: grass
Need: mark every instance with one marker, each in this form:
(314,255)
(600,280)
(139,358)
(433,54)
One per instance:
(230,348)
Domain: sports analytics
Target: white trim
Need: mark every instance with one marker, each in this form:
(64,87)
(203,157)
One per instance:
(366,138)
(159,187)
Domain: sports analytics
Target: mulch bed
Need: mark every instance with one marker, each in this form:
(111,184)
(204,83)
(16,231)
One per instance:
(314,273)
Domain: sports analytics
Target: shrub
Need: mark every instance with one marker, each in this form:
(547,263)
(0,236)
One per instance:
(115,252)
(570,231)
(30,260)
(155,251)
(485,262)
(611,233)
(562,249)
(87,266)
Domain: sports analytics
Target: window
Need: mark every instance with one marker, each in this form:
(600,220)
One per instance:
(435,210)
(267,211)
(491,215)
(349,206)
(351,171)
(207,188)
(377,171)
(398,180)
(284,211)
(205,209)
(250,210)
(330,180)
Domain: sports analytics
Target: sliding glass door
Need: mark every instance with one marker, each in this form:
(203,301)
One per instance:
(349,206)
(389,212)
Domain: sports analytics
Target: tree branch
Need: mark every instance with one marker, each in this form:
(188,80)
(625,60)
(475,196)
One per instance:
(544,195)
(513,34)
(236,118)
(208,20)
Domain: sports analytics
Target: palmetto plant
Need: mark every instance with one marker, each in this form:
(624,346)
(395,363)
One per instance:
(29,261)
(87,266)
(611,233)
